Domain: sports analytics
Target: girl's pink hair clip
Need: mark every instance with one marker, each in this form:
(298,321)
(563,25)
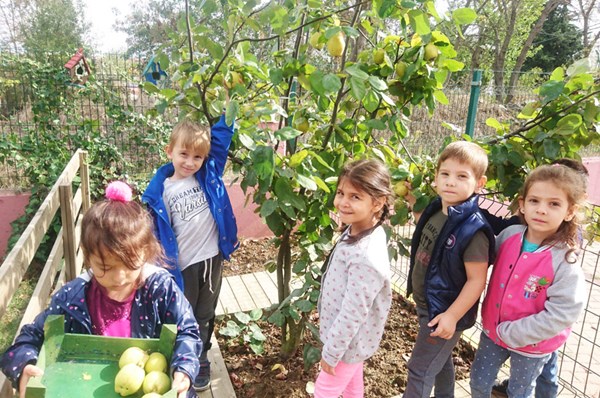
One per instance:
(119,191)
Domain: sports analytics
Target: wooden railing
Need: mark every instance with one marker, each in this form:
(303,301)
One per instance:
(64,262)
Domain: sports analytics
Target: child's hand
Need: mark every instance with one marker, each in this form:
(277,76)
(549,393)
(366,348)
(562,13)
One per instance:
(327,368)
(182,383)
(446,325)
(28,372)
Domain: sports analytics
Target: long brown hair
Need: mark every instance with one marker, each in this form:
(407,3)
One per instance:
(372,177)
(573,184)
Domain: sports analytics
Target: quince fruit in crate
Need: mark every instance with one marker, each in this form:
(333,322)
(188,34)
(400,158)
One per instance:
(156,381)
(134,355)
(129,380)
(156,361)
(151,395)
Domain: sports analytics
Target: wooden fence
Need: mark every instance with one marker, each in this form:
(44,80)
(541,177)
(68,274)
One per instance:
(64,262)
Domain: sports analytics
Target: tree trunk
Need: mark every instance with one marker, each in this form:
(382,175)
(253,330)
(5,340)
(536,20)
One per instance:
(500,58)
(537,27)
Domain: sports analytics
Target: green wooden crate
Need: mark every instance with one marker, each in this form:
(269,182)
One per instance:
(85,366)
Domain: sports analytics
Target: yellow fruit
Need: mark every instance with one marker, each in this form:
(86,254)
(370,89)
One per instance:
(134,355)
(301,123)
(400,69)
(379,56)
(157,382)
(314,40)
(156,361)
(233,79)
(129,380)
(431,52)
(401,189)
(151,395)
(336,44)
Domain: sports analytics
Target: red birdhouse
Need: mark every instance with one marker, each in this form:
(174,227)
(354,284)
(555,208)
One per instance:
(78,68)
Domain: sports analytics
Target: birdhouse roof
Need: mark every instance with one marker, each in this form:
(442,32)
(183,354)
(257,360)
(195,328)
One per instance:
(75,60)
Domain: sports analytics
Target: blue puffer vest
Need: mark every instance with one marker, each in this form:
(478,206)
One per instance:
(446,274)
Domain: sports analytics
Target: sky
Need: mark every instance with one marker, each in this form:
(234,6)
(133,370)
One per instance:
(99,13)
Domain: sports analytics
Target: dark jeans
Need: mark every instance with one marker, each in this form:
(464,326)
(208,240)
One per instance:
(202,285)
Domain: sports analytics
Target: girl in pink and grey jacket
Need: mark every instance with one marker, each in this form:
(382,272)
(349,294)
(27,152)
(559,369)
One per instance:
(536,292)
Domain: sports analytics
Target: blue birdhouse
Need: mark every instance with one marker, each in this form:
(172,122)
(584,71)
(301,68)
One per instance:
(153,73)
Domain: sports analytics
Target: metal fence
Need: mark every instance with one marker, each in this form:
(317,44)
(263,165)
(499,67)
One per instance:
(579,358)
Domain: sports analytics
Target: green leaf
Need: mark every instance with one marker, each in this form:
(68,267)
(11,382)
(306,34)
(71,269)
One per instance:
(493,123)
(377,83)
(287,133)
(579,67)
(310,355)
(242,317)
(371,101)
(441,97)
(275,224)
(551,90)
(231,113)
(268,207)
(321,184)
(297,158)
(255,314)
(277,318)
(304,305)
(264,161)
(356,72)
(358,88)
(385,8)
(568,124)
(316,82)
(453,65)
(306,182)
(419,22)
(331,83)
(463,16)
(551,148)
(558,74)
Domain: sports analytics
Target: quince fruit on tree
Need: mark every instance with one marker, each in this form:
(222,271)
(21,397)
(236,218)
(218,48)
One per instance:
(336,44)
(379,56)
(301,123)
(401,189)
(314,40)
(400,68)
(431,52)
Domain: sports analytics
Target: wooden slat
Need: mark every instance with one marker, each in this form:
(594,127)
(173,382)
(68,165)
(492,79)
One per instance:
(259,296)
(242,295)
(221,386)
(85,180)
(16,263)
(227,299)
(68,224)
(43,289)
(268,284)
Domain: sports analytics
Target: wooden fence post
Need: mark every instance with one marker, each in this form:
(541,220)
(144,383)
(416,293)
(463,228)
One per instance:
(85,181)
(68,223)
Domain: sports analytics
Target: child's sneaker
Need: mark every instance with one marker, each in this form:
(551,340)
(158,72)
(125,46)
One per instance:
(500,389)
(202,381)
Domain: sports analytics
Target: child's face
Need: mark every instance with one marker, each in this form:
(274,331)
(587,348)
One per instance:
(118,280)
(356,207)
(545,207)
(185,160)
(456,182)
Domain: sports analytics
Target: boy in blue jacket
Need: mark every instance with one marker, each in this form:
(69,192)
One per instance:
(451,249)
(194,220)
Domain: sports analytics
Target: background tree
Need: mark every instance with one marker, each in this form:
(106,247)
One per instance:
(559,43)
(589,14)
(53,26)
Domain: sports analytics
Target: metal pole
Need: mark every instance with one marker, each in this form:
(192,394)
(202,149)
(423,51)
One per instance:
(474,98)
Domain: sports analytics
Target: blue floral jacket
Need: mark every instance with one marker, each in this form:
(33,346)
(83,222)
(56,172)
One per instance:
(158,301)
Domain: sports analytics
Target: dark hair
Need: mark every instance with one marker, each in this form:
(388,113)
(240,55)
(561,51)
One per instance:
(372,177)
(122,228)
(573,184)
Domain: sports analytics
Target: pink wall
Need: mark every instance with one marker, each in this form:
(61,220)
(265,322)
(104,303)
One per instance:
(593,166)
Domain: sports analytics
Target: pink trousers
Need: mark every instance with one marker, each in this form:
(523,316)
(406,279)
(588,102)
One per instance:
(347,382)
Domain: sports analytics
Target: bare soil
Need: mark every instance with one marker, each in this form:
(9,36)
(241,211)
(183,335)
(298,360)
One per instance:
(385,372)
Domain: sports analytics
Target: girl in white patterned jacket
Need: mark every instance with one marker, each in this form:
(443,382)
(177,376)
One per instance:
(356,290)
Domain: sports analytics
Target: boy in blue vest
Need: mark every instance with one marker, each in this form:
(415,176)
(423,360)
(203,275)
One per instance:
(194,220)
(451,250)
